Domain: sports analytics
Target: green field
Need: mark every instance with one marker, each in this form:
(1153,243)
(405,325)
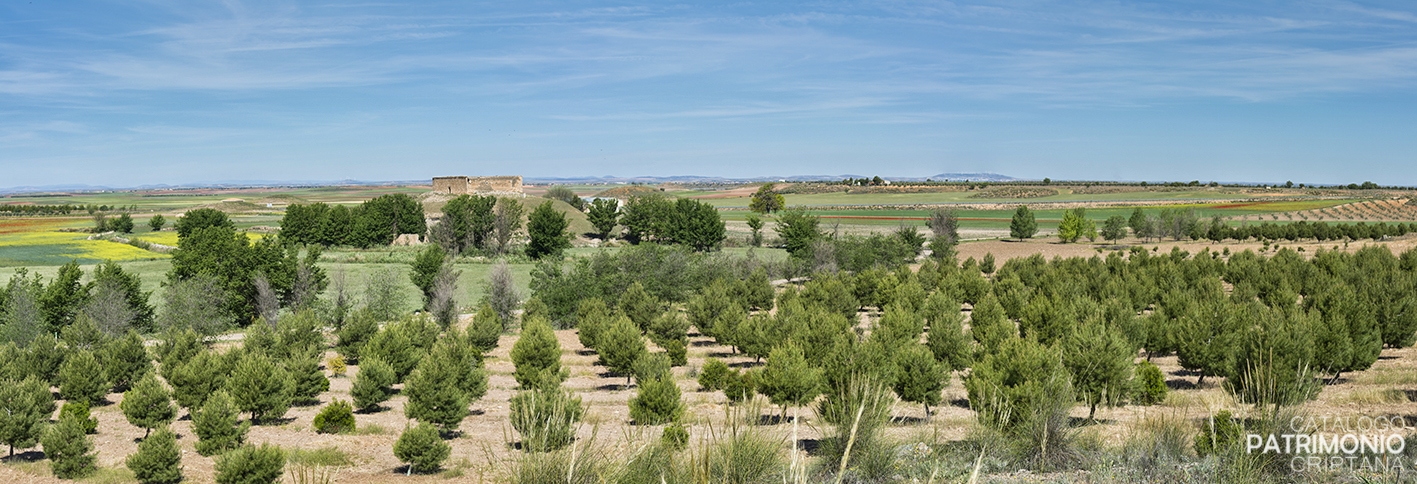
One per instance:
(861,198)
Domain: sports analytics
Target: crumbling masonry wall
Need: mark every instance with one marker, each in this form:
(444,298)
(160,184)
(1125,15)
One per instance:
(479,185)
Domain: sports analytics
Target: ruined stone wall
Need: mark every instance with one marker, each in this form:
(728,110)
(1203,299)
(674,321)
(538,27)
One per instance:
(479,185)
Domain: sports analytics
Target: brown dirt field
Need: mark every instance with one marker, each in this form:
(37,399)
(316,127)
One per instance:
(483,450)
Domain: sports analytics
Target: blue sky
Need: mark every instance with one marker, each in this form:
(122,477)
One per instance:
(141,92)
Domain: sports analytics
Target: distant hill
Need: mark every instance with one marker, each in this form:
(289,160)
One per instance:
(993,177)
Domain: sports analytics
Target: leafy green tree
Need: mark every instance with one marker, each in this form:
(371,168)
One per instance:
(426,265)
(81,378)
(157,222)
(128,294)
(788,380)
(1076,225)
(920,378)
(25,407)
(620,345)
(123,224)
(372,384)
(470,218)
(658,401)
(798,230)
(249,464)
(148,405)
(337,227)
(537,349)
(765,201)
(435,393)
(81,412)
(158,460)
(70,452)
(1114,228)
(506,221)
(755,223)
(1138,222)
(380,220)
(261,387)
(302,224)
(202,218)
(547,230)
(565,194)
(235,262)
(63,297)
(695,224)
(645,216)
(335,418)
(126,361)
(1101,364)
(421,448)
(604,215)
(218,425)
(591,318)
(21,310)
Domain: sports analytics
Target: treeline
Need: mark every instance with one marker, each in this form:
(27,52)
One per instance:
(373,223)
(1179,224)
(63,209)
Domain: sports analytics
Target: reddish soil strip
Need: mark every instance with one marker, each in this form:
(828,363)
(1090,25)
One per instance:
(1236,205)
(914,218)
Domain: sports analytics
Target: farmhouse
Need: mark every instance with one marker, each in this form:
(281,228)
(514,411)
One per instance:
(506,186)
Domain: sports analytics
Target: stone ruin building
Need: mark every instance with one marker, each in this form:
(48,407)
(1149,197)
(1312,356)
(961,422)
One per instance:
(502,186)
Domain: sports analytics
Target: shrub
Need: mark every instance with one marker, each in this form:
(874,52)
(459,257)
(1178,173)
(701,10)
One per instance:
(1218,433)
(421,448)
(68,449)
(250,465)
(739,387)
(80,412)
(158,459)
(658,401)
(1151,385)
(545,417)
(372,384)
(675,436)
(148,405)
(712,376)
(335,418)
(535,351)
(337,366)
(218,426)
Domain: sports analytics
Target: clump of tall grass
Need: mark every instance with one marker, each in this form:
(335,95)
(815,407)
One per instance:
(1046,439)
(583,462)
(854,448)
(739,453)
(546,416)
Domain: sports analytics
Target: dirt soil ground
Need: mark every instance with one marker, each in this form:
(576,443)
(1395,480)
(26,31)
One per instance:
(484,449)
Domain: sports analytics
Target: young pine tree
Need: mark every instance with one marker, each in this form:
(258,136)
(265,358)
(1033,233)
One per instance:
(485,330)
(251,465)
(261,387)
(126,361)
(335,418)
(81,378)
(394,348)
(309,380)
(947,339)
(640,306)
(372,384)
(591,318)
(25,407)
(70,452)
(158,460)
(537,350)
(920,378)
(421,448)
(218,425)
(787,379)
(620,346)
(1101,363)
(658,401)
(357,331)
(435,396)
(148,405)
(194,381)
